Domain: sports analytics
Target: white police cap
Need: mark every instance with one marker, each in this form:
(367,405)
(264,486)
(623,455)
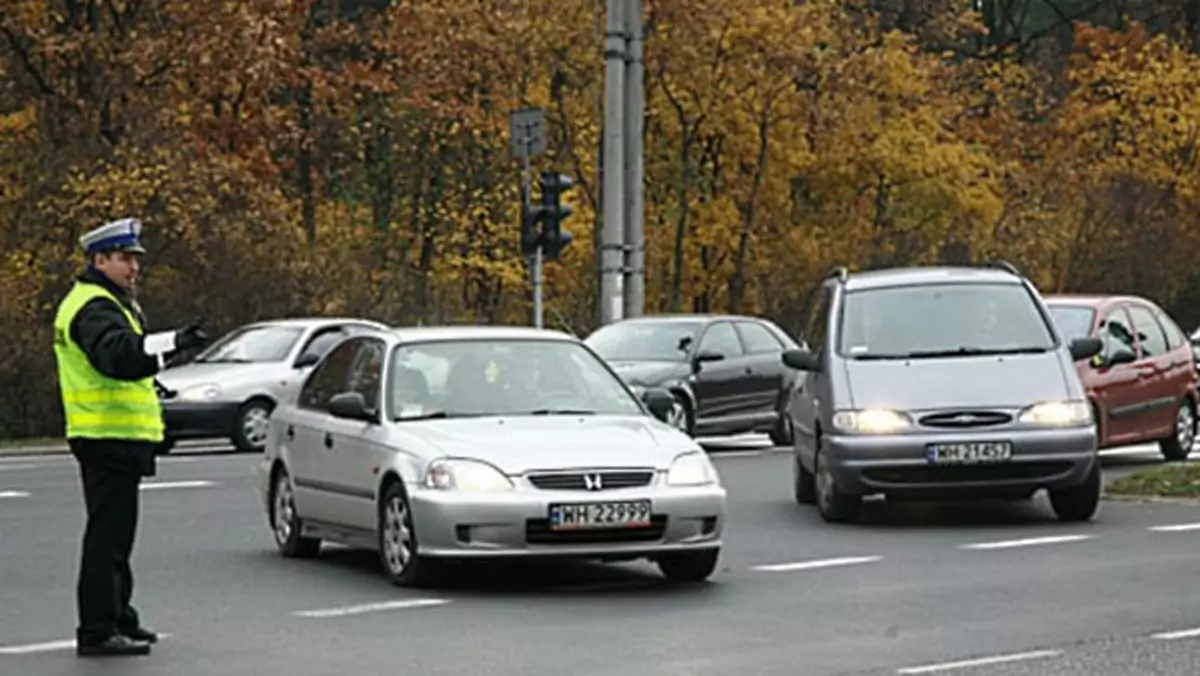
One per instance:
(122,235)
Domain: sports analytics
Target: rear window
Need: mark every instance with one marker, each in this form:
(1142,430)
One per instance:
(962,318)
(1074,321)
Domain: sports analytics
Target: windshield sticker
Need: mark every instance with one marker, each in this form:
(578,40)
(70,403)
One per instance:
(491,372)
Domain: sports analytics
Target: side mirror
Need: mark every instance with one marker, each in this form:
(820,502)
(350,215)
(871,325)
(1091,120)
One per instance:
(801,360)
(1085,348)
(659,401)
(351,405)
(307,359)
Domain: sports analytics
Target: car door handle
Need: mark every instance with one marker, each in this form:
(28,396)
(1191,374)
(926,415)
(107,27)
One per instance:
(328,440)
(749,371)
(291,433)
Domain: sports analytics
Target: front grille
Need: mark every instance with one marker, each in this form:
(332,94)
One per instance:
(582,481)
(966,419)
(537,532)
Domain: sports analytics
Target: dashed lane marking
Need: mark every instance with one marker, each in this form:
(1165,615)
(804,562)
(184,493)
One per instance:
(1027,542)
(1176,635)
(46,647)
(811,565)
(980,662)
(324,613)
(1175,528)
(14,494)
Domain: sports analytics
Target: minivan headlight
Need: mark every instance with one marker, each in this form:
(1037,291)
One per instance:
(1057,413)
(871,421)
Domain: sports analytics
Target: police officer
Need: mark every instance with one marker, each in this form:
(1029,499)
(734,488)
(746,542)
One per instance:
(106,368)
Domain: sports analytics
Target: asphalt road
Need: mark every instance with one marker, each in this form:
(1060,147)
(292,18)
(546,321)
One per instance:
(986,589)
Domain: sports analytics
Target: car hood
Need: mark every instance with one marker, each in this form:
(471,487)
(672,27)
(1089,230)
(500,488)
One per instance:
(1007,381)
(520,444)
(223,373)
(648,373)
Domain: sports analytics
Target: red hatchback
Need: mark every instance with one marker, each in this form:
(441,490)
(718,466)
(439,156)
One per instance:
(1142,385)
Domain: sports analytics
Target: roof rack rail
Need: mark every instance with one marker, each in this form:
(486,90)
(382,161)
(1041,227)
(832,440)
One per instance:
(1001,264)
(840,272)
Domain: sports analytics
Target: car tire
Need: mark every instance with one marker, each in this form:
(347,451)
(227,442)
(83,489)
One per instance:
(252,412)
(1177,446)
(286,524)
(1078,503)
(398,541)
(689,566)
(686,420)
(803,483)
(782,433)
(833,504)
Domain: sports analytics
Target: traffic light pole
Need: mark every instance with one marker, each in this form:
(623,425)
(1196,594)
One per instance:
(535,266)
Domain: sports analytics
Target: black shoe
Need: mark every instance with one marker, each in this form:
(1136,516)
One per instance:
(116,645)
(140,634)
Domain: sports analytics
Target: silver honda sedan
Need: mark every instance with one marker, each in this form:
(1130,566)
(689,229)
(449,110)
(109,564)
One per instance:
(429,444)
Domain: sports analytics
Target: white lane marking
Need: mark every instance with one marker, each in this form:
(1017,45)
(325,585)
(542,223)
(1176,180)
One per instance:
(370,608)
(718,455)
(14,494)
(982,661)
(48,646)
(810,565)
(13,467)
(1173,635)
(1027,542)
(1175,528)
(153,485)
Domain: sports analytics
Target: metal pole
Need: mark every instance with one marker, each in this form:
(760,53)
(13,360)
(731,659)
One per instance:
(613,232)
(535,266)
(635,233)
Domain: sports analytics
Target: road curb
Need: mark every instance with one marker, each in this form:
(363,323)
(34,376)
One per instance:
(1155,499)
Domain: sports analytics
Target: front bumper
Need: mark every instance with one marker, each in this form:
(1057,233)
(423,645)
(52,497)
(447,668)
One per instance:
(898,464)
(199,419)
(515,524)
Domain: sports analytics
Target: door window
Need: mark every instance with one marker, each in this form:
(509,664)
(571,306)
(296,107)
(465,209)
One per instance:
(1174,334)
(722,339)
(758,339)
(1116,332)
(1149,333)
(817,325)
(329,377)
(366,372)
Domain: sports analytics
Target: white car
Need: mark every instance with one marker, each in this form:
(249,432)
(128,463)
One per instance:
(430,444)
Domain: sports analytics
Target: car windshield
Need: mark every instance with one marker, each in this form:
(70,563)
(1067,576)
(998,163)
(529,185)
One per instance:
(942,320)
(468,378)
(1074,321)
(252,344)
(645,341)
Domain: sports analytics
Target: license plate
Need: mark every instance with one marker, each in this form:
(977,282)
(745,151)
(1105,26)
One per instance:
(631,514)
(970,453)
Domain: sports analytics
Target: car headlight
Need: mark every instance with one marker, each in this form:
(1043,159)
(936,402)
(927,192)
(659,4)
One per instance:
(205,392)
(466,475)
(691,469)
(1057,413)
(871,421)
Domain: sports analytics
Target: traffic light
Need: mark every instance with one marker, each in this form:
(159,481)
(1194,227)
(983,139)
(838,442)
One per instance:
(554,238)
(541,224)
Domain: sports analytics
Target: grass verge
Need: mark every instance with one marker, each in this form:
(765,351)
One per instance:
(1174,481)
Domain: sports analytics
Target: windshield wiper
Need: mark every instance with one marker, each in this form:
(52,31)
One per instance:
(964,351)
(561,411)
(434,415)
(878,356)
(225,360)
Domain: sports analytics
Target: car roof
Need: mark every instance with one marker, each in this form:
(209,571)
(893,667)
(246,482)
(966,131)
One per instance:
(479,332)
(1093,300)
(313,322)
(684,316)
(887,277)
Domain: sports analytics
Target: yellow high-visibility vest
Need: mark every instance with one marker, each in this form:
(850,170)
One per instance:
(95,405)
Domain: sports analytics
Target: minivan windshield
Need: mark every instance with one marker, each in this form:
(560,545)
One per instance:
(942,320)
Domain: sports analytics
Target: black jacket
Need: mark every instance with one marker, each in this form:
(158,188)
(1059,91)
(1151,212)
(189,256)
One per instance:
(105,336)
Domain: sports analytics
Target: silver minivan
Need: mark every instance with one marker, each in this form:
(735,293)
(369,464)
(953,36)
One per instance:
(939,383)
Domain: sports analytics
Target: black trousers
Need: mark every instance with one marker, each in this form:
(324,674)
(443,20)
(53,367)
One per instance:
(111,494)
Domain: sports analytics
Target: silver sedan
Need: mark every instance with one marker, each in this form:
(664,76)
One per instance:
(430,444)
